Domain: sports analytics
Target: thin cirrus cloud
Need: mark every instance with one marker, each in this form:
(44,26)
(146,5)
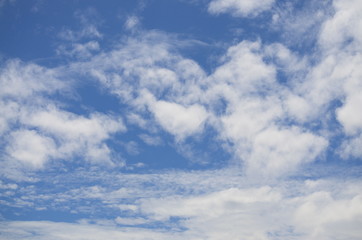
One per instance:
(99,163)
(237,8)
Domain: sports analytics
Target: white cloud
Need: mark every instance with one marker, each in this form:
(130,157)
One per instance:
(77,134)
(241,98)
(349,116)
(281,151)
(320,209)
(11,186)
(72,126)
(132,22)
(297,107)
(151,140)
(265,123)
(79,50)
(21,80)
(211,205)
(344,28)
(337,74)
(285,59)
(89,21)
(352,147)
(87,31)
(299,24)
(240,8)
(42,230)
(320,216)
(31,148)
(249,117)
(9,111)
(245,70)
(179,120)
(35,131)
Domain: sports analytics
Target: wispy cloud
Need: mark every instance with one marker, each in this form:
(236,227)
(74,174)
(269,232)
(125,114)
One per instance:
(237,8)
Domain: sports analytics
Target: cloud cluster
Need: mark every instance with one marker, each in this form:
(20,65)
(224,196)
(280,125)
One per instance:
(275,110)
(243,98)
(36,129)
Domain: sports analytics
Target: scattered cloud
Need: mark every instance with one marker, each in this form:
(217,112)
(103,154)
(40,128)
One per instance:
(285,115)
(236,8)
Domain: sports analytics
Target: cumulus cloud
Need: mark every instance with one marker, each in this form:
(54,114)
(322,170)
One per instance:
(178,120)
(31,148)
(279,151)
(271,127)
(322,216)
(77,134)
(348,114)
(245,69)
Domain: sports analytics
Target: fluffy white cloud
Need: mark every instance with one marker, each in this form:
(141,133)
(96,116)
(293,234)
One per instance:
(240,8)
(240,98)
(245,70)
(179,120)
(344,28)
(77,134)
(279,151)
(349,114)
(268,125)
(249,117)
(30,148)
(320,216)
(71,126)
(34,130)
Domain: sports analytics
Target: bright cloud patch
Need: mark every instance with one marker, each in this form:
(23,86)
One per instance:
(240,8)
(31,148)
(179,120)
(279,151)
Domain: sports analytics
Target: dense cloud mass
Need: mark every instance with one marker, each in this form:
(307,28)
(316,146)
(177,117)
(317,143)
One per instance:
(147,129)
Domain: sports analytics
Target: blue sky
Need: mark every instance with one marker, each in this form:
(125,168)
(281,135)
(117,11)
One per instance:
(181,119)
